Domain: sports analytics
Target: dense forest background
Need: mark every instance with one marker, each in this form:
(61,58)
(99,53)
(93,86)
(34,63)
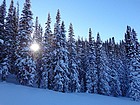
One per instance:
(66,64)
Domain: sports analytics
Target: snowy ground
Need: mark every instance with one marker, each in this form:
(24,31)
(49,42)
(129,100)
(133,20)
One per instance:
(11,94)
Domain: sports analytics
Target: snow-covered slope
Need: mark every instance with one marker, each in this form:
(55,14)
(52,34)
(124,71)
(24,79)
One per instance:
(11,94)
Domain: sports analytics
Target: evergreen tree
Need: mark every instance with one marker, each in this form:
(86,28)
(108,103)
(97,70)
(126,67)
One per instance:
(37,55)
(74,85)
(91,69)
(113,73)
(102,69)
(82,52)
(25,63)
(81,72)
(47,55)
(122,68)
(64,63)
(60,69)
(132,55)
(10,37)
(2,19)
(3,65)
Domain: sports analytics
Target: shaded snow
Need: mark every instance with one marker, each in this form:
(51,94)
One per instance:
(1,41)
(11,94)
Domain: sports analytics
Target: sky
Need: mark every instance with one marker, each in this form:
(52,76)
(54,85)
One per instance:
(108,17)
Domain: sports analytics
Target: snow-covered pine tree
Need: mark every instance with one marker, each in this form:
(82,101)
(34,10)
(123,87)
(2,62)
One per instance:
(113,73)
(25,63)
(60,69)
(91,69)
(74,85)
(64,61)
(122,71)
(37,55)
(3,63)
(132,55)
(47,56)
(14,69)
(102,68)
(2,20)
(10,37)
(82,51)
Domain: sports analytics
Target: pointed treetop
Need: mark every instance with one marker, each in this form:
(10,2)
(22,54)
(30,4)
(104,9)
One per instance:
(36,22)
(12,3)
(17,12)
(58,18)
(134,34)
(3,8)
(63,27)
(128,34)
(48,21)
(98,38)
(113,40)
(90,35)
(62,23)
(110,41)
(4,2)
(128,29)
(71,26)
(71,29)
(90,30)
(11,8)
(49,18)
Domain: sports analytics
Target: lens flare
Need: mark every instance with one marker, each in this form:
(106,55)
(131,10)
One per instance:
(34,47)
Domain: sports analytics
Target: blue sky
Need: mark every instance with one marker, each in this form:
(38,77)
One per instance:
(108,17)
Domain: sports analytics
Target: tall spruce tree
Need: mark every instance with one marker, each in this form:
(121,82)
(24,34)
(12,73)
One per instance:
(91,69)
(102,69)
(60,68)
(2,19)
(10,37)
(47,75)
(74,85)
(82,53)
(113,73)
(37,55)
(122,68)
(79,58)
(25,63)
(132,55)
(3,68)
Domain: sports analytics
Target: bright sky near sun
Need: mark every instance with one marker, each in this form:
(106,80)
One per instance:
(108,17)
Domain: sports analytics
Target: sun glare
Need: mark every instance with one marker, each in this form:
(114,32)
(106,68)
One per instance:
(34,47)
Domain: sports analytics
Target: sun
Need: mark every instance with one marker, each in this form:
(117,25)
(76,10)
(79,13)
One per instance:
(34,47)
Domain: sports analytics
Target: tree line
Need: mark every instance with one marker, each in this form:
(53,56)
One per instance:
(67,64)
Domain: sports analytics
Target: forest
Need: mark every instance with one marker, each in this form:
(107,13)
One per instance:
(64,63)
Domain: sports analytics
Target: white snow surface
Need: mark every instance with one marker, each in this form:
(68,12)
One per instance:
(11,94)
